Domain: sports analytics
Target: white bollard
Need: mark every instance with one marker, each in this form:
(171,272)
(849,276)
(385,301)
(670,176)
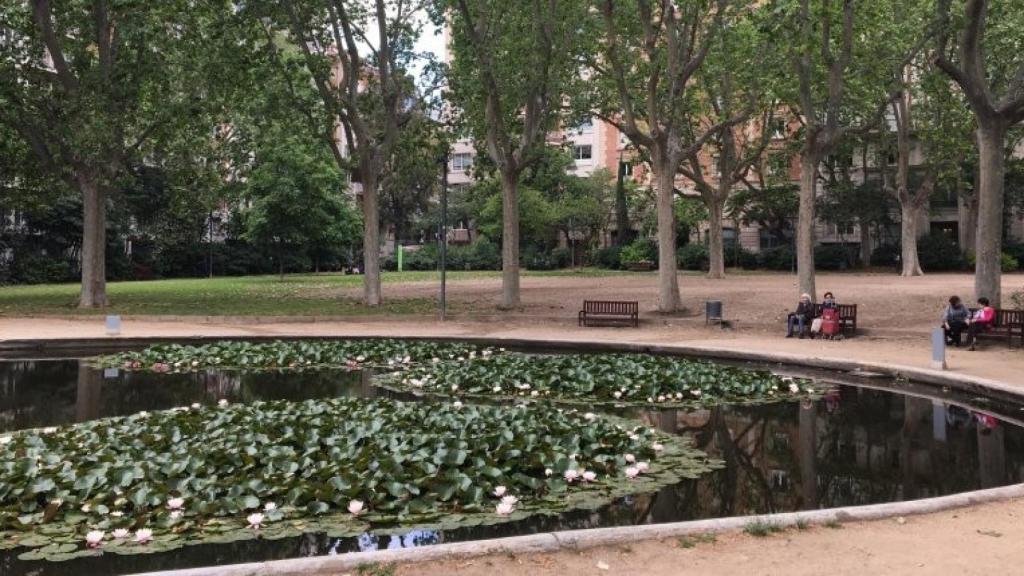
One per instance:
(113,325)
(939,349)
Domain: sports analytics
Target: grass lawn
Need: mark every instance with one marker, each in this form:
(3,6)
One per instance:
(295,295)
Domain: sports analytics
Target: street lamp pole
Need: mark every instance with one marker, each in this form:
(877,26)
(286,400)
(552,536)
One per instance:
(443,236)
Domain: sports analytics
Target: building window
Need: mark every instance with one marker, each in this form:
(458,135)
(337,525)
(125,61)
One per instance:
(462,161)
(585,127)
(626,169)
(583,152)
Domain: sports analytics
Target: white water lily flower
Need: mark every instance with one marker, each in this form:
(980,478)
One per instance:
(406,360)
(86,508)
(222,402)
(355,507)
(435,360)
(571,475)
(117,514)
(503,509)
(496,389)
(4,440)
(254,520)
(94,538)
(650,400)
(49,430)
(679,395)
(457,404)
(534,393)
(175,514)
(360,358)
(121,533)
(794,388)
(196,405)
(643,467)
(657,447)
(589,476)
(808,389)
(696,393)
(455,387)
(57,502)
(143,535)
(195,363)
(511,500)
(617,394)
(661,398)
(590,416)
(632,472)
(175,503)
(629,458)
(548,471)
(499,491)
(269,507)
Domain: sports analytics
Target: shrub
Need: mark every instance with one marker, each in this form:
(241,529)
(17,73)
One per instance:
(38,268)
(1017,298)
(641,250)
(482,254)
(608,258)
(778,258)
(834,257)
(737,257)
(693,256)
(1016,250)
(886,255)
(938,252)
(1008,263)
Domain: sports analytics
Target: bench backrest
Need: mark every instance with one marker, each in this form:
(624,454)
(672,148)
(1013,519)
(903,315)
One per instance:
(845,310)
(1009,317)
(610,307)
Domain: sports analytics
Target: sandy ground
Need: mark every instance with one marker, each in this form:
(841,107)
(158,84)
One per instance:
(896,313)
(980,540)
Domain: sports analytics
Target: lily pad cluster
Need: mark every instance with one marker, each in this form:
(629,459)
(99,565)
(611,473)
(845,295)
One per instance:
(291,355)
(160,480)
(596,379)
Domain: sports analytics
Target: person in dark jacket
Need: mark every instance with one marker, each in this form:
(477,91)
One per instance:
(954,320)
(800,319)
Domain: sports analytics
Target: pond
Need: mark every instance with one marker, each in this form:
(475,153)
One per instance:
(866,440)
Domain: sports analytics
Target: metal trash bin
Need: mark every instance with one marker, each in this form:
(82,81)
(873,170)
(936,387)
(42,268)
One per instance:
(712,311)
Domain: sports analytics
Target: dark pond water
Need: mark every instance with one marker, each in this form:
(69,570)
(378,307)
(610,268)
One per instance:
(867,441)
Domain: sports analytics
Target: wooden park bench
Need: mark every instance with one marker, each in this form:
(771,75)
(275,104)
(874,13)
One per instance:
(1005,325)
(611,311)
(847,317)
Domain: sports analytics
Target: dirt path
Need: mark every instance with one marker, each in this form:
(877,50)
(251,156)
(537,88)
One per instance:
(983,540)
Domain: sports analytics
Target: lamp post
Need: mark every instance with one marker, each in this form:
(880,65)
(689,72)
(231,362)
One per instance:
(442,238)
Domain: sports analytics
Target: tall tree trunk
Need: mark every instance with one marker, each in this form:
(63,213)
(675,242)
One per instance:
(805,224)
(968,215)
(621,210)
(865,244)
(909,215)
(371,238)
(989,239)
(716,246)
(509,241)
(668,283)
(94,243)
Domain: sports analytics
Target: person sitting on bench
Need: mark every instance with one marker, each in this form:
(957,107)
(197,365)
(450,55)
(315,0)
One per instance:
(981,321)
(802,317)
(954,320)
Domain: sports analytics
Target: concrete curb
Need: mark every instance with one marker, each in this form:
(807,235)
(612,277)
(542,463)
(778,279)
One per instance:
(580,539)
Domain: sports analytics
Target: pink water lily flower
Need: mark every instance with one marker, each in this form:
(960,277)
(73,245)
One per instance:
(504,509)
(571,475)
(94,538)
(175,503)
(643,467)
(632,472)
(499,491)
(255,520)
(511,500)
(355,507)
(143,536)
(121,533)
(589,476)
